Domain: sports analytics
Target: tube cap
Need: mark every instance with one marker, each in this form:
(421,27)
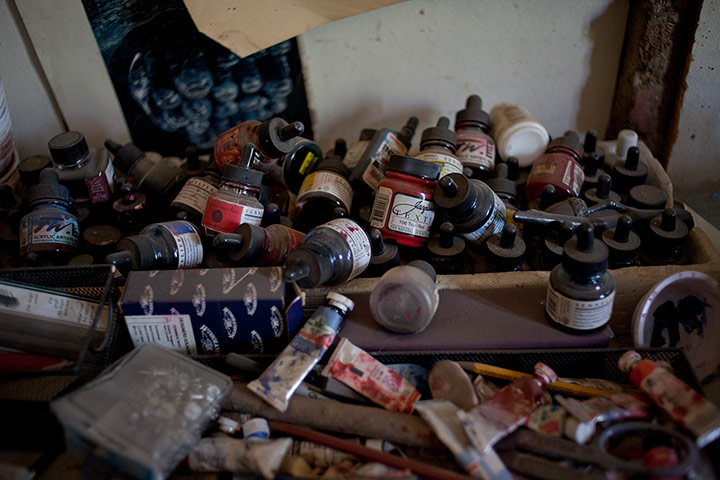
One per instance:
(546,373)
(413,166)
(583,255)
(441,133)
(275,136)
(473,112)
(340,301)
(68,147)
(628,360)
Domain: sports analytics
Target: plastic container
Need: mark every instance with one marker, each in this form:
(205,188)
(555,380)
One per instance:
(518,133)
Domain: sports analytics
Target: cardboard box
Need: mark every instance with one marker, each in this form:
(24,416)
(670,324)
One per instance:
(212,311)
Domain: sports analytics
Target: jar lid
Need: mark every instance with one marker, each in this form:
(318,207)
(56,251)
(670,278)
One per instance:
(473,112)
(30,168)
(238,174)
(414,166)
(583,255)
(441,133)
(68,147)
(525,140)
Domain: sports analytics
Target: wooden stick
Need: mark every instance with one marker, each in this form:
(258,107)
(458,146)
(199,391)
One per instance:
(421,468)
(334,416)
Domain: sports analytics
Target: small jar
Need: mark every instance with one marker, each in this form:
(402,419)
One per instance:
(403,208)
(581,290)
(438,145)
(559,167)
(475,147)
(518,133)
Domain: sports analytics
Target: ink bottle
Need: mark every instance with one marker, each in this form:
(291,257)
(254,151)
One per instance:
(272,139)
(406,298)
(475,147)
(504,252)
(623,244)
(404,209)
(251,245)
(503,187)
(322,191)
(581,291)
(603,191)
(554,244)
(547,198)
(385,255)
(471,206)
(665,238)
(159,246)
(631,173)
(330,254)
(647,197)
(559,167)
(356,150)
(88,174)
(49,234)
(446,251)
(193,196)
(129,209)
(438,145)
(292,168)
(370,169)
(518,133)
(236,201)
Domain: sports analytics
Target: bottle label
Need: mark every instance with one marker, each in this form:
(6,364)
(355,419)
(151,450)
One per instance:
(375,170)
(475,151)
(223,216)
(329,183)
(407,214)
(494,224)
(358,241)
(573,177)
(578,314)
(448,163)
(195,193)
(187,242)
(98,188)
(171,331)
(308,163)
(352,156)
(48,228)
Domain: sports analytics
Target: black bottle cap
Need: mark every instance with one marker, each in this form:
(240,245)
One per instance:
(340,149)
(666,231)
(592,163)
(441,133)
(590,144)
(298,163)
(82,259)
(602,191)
(240,174)
(367,134)
(226,246)
(554,244)
(501,184)
(68,147)
(8,200)
(455,194)
(506,251)
(125,156)
(275,136)
(446,243)
(383,251)
(513,168)
(333,163)
(339,212)
(193,158)
(244,246)
(101,238)
(134,253)
(307,268)
(631,173)
(647,197)
(425,267)
(49,189)
(547,197)
(271,215)
(414,166)
(408,130)
(570,140)
(583,255)
(473,112)
(623,244)
(30,168)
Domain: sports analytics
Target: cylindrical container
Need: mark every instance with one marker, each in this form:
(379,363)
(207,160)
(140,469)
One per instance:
(403,207)
(192,198)
(475,147)
(559,167)
(292,168)
(518,133)
(438,144)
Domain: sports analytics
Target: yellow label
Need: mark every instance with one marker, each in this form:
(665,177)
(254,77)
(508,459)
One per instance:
(308,163)
(544,169)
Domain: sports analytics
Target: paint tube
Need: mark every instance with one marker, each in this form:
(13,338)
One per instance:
(320,455)
(358,370)
(484,389)
(225,454)
(280,380)
(441,416)
(547,419)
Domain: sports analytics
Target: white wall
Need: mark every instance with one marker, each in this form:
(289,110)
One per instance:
(557,57)
(695,158)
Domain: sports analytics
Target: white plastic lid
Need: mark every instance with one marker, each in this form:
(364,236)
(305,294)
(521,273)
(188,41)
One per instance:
(579,431)
(628,360)
(524,140)
(228,425)
(256,429)
(340,301)
(626,138)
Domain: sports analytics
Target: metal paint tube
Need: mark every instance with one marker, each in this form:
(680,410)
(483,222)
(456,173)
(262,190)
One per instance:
(442,417)
(358,370)
(225,454)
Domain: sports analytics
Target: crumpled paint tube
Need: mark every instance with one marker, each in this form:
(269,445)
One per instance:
(442,417)
(280,380)
(547,419)
(225,454)
(358,370)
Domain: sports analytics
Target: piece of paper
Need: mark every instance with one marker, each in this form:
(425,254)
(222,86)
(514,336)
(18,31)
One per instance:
(247,26)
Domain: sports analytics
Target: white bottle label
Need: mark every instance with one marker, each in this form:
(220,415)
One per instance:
(110,175)
(578,314)
(195,194)
(375,170)
(358,241)
(381,207)
(327,182)
(476,151)
(408,214)
(172,331)
(492,225)
(448,163)
(354,153)
(188,242)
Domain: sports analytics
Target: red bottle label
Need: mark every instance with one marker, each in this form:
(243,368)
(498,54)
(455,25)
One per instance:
(225,217)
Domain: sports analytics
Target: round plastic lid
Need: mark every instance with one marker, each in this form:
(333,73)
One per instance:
(68,147)
(405,300)
(524,140)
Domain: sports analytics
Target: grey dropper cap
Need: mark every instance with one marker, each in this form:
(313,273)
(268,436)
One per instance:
(584,256)
(125,156)
(473,113)
(440,133)
(243,174)
(506,251)
(623,244)
(49,190)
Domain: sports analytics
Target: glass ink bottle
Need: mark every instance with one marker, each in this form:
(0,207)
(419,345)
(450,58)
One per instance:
(356,150)
(647,197)
(504,252)
(254,246)
(665,238)
(193,196)
(385,255)
(330,254)
(406,298)
(49,234)
(581,290)
(159,246)
(129,210)
(292,168)
(471,206)
(623,244)
(404,209)
(446,251)
(272,139)
(601,192)
(559,167)
(370,169)
(503,187)
(322,191)
(236,201)
(475,147)
(88,174)
(438,145)
(631,173)
(518,133)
